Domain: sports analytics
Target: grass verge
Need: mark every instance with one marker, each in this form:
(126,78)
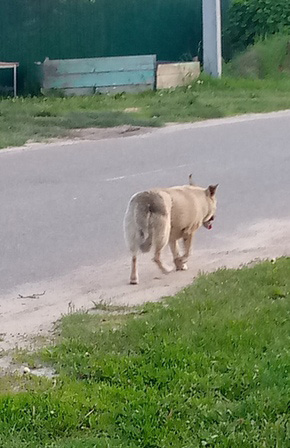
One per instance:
(206,368)
(36,119)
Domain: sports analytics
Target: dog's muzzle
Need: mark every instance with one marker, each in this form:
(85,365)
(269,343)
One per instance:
(208,223)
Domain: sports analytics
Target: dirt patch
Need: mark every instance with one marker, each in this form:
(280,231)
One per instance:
(132,109)
(104,133)
(86,134)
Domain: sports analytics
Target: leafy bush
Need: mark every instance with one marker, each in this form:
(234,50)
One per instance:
(268,58)
(249,19)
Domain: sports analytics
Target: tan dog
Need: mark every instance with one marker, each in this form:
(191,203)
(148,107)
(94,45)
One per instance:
(165,215)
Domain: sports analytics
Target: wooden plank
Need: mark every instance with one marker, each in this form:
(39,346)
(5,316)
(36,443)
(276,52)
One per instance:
(92,65)
(177,74)
(9,64)
(126,73)
(99,79)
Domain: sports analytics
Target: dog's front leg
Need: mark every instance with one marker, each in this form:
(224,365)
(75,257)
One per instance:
(180,262)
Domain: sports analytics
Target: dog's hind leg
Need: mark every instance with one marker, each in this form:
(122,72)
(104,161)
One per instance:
(163,269)
(161,238)
(176,255)
(134,271)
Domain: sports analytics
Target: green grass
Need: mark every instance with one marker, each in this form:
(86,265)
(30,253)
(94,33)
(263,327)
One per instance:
(267,58)
(39,118)
(209,367)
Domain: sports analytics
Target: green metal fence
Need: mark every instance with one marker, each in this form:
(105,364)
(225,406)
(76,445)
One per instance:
(31,30)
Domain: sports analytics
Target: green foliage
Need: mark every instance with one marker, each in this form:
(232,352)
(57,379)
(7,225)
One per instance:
(249,19)
(267,58)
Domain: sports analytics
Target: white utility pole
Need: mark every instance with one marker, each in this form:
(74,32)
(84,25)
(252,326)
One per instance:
(212,42)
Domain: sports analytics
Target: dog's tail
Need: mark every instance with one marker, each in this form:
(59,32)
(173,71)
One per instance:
(139,220)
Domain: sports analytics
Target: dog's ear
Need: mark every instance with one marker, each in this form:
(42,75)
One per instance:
(211,190)
(190,180)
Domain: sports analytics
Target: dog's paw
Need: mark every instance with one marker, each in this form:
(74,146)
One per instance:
(182,267)
(166,271)
(180,264)
(134,281)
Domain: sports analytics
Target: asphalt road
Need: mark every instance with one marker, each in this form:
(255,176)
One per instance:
(62,206)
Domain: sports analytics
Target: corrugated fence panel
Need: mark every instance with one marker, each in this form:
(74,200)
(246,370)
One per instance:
(31,30)
(100,72)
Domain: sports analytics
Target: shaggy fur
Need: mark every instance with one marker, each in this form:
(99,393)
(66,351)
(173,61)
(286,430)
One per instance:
(163,216)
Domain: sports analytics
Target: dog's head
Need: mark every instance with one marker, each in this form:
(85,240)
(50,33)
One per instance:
(212,202)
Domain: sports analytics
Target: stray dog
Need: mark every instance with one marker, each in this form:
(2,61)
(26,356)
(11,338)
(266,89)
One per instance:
(165,215)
